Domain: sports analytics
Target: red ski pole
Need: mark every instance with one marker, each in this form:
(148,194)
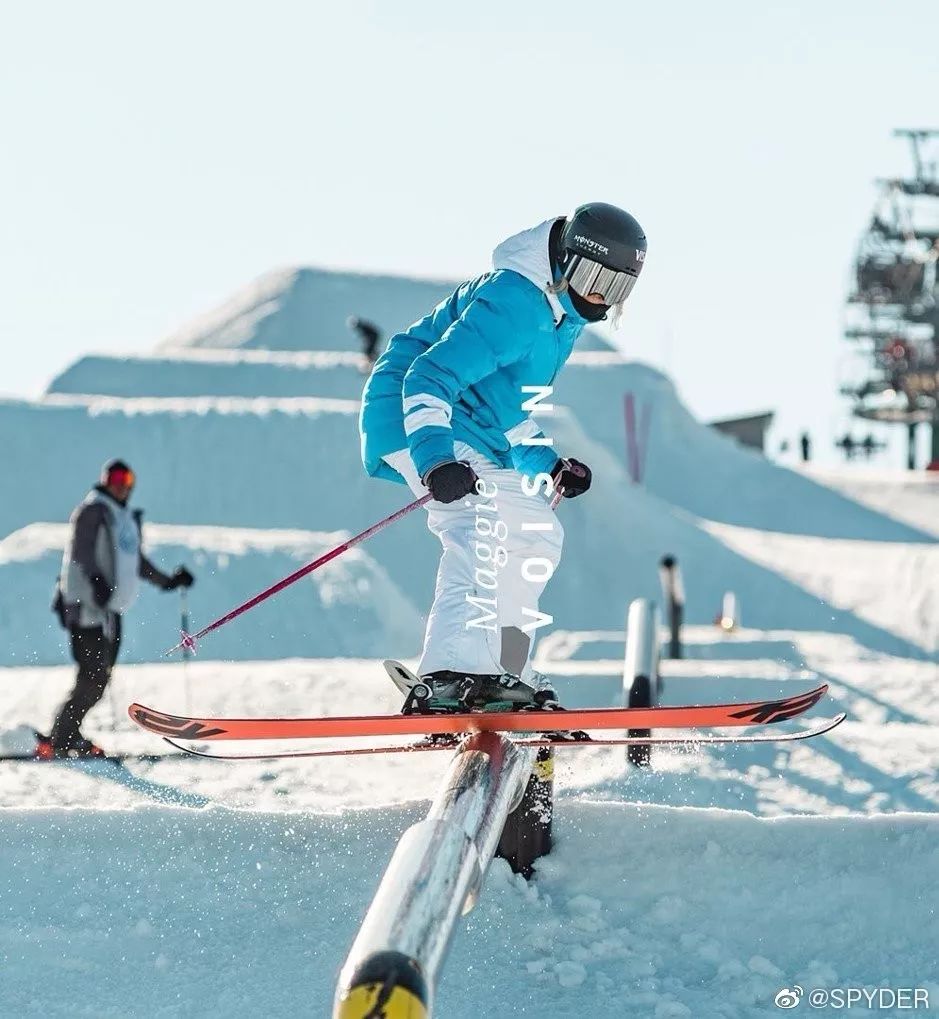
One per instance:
(188,642)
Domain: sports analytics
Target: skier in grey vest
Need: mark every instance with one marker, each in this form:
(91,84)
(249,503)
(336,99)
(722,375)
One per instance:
(101,571)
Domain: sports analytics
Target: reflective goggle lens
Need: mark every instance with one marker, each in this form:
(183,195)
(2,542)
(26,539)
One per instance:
(122,478)
(588,277)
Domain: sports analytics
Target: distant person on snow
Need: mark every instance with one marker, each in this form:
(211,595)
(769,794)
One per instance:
(805,442)
(446,410)
(369,335)
(99,581)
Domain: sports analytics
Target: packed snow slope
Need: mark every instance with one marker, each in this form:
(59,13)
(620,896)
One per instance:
(685,462)
(910,497)
(244,915)
(702,887)
(306,308)
(292,463)
(215,372)
(886,583)
(696,468)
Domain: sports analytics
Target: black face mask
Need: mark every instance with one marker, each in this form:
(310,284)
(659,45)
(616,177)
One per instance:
(583,307)
(591,312)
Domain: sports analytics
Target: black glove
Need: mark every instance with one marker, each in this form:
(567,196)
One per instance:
(181,578)
(571,478)
(101,590)
(451,481)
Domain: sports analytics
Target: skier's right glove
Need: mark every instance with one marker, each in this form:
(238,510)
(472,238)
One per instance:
(101,590)
(571,477)
(181,578)
(451,481)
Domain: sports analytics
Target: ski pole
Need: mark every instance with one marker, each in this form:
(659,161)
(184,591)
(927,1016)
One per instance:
(187,651)
(188,641)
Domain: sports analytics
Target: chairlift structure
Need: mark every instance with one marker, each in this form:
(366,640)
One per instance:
(893,307)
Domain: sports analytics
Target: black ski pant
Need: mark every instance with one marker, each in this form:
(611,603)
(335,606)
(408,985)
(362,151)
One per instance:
(95,656)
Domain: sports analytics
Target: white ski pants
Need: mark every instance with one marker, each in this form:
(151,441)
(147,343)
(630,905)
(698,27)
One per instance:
(500,548)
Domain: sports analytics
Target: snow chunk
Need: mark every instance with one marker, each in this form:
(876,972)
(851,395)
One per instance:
(21,739)
(570,974)
(667,1009)
(761,965)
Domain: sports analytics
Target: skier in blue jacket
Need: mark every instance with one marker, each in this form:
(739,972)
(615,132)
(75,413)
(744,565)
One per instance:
(448,409)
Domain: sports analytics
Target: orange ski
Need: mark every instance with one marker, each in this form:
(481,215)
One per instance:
(694,741)
(683,717)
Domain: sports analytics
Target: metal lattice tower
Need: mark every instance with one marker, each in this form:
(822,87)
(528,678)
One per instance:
(893,308)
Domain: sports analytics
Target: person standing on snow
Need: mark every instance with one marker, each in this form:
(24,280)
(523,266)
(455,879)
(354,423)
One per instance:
(446,410)
(99,581)
(369,336)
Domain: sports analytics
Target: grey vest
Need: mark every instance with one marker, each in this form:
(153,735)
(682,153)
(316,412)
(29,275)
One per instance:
(116,557)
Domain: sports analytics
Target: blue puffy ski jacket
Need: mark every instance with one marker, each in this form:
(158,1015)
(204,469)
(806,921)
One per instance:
(458,373)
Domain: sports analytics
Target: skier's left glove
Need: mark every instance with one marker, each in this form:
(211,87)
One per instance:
(451,481)
(571,477)
(181,578)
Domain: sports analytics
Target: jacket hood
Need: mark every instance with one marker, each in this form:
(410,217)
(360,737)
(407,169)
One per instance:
(527,254)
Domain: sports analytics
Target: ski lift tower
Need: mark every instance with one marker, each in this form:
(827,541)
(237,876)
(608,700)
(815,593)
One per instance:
(893,308)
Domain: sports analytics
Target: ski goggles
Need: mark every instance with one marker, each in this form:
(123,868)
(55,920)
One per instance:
(588,277)
(123,477)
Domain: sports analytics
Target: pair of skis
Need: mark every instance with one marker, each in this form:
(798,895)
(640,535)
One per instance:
(528,728)
(440,731)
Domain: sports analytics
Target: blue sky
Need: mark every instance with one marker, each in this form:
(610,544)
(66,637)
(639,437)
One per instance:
(157,157)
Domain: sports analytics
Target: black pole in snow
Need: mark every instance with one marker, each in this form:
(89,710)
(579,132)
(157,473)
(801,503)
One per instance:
(673,593)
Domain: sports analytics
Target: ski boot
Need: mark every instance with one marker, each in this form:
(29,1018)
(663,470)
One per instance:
(45,751)
(75,749)
(447,691)
(507,692)
(438,693)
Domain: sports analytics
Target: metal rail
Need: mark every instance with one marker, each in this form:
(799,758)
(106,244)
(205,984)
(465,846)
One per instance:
(729,619)
(434,877)
(641,668)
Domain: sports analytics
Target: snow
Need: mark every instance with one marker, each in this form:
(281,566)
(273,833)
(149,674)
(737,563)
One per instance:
(305,308)
(681,911)
(890,584)
(277,310)
(292,463)
(702,886)
(211,372)
(207,371)
(711,881)
(708,474)
(912,498)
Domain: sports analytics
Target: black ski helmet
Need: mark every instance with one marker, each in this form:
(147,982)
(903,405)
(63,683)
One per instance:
(606,236)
